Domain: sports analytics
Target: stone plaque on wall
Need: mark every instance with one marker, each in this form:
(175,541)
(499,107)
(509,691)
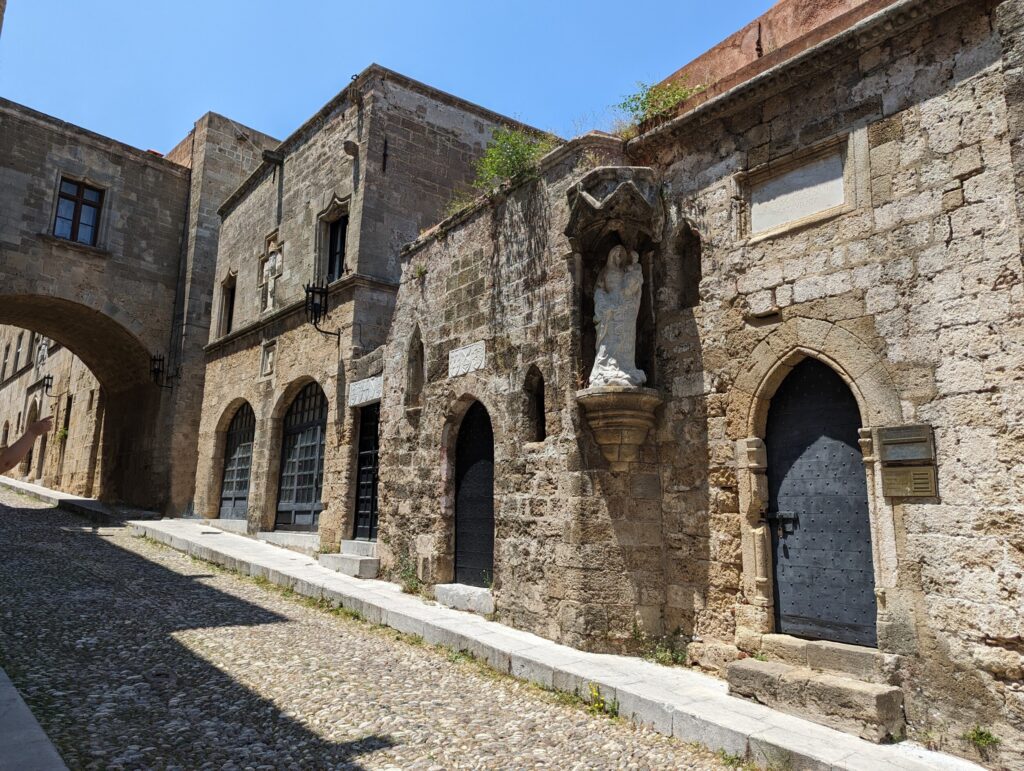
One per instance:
(365,391)
(467,359)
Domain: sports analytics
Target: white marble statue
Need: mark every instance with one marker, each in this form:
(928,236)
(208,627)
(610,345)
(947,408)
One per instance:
(271,270)
(616,306)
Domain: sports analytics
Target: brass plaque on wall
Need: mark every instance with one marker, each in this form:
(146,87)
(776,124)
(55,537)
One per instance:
(907,444)
(909,482)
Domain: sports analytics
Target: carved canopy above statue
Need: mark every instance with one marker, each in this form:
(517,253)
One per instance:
(622,199)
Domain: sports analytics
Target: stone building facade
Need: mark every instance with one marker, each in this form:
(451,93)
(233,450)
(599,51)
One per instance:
(123,279)
(830,243)
(67,459)
(330,207)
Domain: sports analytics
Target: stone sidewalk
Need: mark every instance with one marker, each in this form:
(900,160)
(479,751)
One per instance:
(686,704)
(23,745)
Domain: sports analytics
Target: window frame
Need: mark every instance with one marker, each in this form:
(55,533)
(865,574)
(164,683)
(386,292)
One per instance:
(78,201)
(327,218)
(852,150)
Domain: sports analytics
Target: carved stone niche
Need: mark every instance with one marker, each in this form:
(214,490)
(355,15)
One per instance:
(616,206)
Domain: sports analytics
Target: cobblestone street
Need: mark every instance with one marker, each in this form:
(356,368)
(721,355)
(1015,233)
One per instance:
(135,656)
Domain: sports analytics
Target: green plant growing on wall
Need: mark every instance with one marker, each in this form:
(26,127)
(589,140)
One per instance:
(658,99)
(511,152)
(419,271)
(982,739)
(61,435)
(407,576)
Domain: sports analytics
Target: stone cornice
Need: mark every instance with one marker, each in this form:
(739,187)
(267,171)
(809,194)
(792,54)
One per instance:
(815,60)
(344,286)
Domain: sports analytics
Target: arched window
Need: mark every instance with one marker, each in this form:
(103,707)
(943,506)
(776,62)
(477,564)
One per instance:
(688,250)
(6,434)
(415,372)
(302,461)
(536,416)
(234,493)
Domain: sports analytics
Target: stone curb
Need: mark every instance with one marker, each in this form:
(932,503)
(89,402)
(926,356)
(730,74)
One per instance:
(89,508)
(688,705)
(24,746)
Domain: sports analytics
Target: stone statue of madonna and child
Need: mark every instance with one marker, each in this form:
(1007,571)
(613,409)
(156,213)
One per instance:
(616,307)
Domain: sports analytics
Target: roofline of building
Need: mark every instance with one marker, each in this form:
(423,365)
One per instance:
(799,61)
(485,200)
(300,134)
(17,110)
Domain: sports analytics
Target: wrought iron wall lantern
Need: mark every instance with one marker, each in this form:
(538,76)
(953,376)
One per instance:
(316,308)
(157,372)
(48,385)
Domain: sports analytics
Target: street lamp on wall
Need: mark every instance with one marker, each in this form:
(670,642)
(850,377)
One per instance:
(316,307)
(47,384)
(157,371)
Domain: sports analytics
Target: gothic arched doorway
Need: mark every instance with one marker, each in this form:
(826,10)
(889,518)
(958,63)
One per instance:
(818,510)
(474,498)
(234,490)
(302,461)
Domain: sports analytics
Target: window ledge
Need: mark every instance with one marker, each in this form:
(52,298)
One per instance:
(94,251)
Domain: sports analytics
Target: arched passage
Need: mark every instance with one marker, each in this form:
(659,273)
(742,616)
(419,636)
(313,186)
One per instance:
(474,498)
(136,458)
(823,575)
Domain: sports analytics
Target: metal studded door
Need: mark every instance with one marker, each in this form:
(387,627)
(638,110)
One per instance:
(234,489)
(302,461)
(366,474)
(474,499)
(818,510)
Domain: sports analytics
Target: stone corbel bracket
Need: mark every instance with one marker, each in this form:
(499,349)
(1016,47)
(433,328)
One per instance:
(622,199)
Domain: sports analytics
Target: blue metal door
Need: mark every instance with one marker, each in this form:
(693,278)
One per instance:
(474,499)
(818,510)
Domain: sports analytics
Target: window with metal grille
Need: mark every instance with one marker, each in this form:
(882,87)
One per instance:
(302,461)
(234,491)
(336,233)
(78,212)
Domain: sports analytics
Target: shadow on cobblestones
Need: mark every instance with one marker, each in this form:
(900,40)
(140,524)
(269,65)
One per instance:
(87,634)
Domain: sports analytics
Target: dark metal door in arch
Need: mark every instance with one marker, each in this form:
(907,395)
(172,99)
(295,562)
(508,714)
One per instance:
(474,498)
(302,461)
(366,474)
(818,510)
(234,489)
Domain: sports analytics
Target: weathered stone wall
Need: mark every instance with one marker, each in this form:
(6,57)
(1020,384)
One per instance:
(909,291)
(112,304)
(68,458)
(336,162)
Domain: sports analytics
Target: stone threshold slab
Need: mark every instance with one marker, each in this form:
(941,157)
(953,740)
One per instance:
(682,703)
(23,743)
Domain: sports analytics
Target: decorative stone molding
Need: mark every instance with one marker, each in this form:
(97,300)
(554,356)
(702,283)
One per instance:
(367,391)
(469,358)
(623,199)
(620,419)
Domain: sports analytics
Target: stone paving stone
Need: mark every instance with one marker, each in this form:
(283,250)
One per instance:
(702,710)
(134,656)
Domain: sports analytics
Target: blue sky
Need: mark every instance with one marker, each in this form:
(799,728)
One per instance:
(142,71)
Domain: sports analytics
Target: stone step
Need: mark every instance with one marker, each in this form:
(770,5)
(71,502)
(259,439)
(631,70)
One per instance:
(359,548)
(351,564)
(475,599)
(304,543)
(239,526)
(873,711)
(855,661)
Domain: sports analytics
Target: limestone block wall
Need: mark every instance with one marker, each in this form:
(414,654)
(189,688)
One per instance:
(908,290)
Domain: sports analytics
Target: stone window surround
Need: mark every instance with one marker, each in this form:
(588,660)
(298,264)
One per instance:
(231,276)
(268,348)
(877,398)
(338,207)
(270,243)
(853,150)
(103,226)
